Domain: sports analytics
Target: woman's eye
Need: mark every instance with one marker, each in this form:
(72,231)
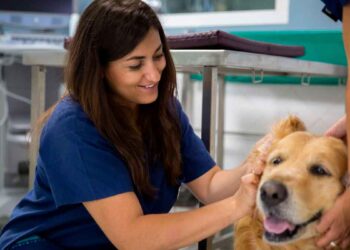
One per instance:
(277,160)
(318,170)
(158,57)
(135,67)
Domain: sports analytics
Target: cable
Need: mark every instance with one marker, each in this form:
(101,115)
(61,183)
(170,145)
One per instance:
(17,97)
(4,117)
(3,96)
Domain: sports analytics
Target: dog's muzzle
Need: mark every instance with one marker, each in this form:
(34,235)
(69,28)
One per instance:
(277,227)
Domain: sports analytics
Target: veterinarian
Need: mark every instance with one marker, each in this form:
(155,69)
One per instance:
(335,224)
(114,151)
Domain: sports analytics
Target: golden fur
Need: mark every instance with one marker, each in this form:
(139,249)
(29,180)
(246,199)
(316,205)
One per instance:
(309,193)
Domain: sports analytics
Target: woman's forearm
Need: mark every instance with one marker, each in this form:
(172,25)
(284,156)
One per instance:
(346,39)
(176,230)
(346,30)
(121,218)
(225,183)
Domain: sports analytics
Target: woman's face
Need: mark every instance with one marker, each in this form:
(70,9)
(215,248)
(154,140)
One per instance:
(135,77)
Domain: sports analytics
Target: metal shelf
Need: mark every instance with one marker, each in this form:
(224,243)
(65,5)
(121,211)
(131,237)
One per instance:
(227,62)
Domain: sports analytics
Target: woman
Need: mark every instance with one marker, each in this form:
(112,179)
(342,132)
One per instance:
(114,151)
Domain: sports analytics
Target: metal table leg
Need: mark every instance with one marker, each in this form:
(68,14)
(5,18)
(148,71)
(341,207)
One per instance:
(187,94)
(220,121)
(210,75)
(37,108)
(2,155)
(3,123)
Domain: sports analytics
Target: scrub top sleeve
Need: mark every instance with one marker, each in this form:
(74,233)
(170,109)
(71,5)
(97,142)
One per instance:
(80,164)
(195,158)
(334,8)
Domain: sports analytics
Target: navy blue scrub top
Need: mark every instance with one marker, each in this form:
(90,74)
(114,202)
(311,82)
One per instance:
(334,8)
(76,164)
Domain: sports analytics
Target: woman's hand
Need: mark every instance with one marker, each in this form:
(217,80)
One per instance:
(245,196)
(257,158)
(335,224)
(338,129)
(254,167)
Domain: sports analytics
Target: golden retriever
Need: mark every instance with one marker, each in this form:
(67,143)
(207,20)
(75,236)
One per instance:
(301,180)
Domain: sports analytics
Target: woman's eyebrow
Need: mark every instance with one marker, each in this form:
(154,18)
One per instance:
(159,48)
(143,57)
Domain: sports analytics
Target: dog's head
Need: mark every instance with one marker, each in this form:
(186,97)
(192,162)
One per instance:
(302,179)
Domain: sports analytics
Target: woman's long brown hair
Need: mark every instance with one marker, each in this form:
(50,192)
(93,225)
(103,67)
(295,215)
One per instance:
(107,31)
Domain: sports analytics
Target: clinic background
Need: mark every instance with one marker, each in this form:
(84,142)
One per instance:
(250,109)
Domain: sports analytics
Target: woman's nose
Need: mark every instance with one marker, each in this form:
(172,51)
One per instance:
(152,73)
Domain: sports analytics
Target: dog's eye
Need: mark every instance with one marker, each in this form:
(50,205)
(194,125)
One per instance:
(318,170)
(277,160)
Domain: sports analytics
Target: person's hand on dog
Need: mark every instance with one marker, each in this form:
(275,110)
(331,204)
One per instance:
(253,169)
(246,194)
(256,164)
(338,129)
(335,224)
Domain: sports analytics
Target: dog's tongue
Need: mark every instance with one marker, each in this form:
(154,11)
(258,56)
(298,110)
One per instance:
(277,226)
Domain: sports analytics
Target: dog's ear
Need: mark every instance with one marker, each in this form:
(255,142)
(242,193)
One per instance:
(287,126)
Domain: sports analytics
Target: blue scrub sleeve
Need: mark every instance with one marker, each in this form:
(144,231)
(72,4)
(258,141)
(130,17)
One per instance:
(334,8)
(79,163)
(196,160)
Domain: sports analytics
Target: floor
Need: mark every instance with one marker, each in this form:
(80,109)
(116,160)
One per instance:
(9,197)
(221,241)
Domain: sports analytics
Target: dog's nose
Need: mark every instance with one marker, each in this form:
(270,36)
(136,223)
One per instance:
(273,193)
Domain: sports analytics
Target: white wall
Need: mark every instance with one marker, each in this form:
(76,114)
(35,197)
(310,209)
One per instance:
(251,110)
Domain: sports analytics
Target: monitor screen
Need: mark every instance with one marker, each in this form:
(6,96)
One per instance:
(46,6)
(35,14)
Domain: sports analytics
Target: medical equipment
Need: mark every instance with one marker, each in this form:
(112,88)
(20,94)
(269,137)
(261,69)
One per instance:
(36,15)
(36,24)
